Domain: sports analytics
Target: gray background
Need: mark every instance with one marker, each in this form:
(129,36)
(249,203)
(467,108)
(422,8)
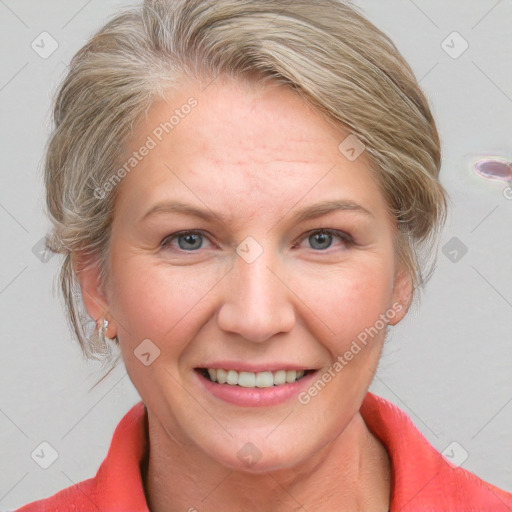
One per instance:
(448,365)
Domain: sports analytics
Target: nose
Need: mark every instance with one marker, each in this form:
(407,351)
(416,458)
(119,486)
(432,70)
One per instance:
(257,304)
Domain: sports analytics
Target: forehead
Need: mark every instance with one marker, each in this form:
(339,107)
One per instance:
(230,145)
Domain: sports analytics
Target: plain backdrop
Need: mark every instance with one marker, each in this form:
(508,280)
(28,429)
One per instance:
(448,365)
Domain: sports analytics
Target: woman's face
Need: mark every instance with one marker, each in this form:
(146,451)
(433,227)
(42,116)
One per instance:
(244,239)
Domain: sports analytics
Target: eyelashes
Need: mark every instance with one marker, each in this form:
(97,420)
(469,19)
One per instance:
(193,240)
(330,233)
(192,236)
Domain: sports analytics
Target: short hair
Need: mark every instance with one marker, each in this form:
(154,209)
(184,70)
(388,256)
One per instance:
(325,50)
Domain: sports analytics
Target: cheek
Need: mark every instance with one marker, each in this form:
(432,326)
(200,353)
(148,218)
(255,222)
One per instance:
(348,300)
(156,301)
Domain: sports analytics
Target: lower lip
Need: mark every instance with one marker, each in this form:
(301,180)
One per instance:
(256,397)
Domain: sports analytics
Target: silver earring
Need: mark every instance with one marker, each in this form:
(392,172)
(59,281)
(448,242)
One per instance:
(103,329)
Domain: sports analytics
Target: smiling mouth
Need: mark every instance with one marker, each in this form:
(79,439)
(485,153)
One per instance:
(265,379)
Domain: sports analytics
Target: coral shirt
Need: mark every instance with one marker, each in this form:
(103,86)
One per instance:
(422,479)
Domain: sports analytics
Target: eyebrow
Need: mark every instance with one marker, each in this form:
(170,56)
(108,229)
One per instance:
(311,212)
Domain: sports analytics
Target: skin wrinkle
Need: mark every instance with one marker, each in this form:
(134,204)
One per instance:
(295,305)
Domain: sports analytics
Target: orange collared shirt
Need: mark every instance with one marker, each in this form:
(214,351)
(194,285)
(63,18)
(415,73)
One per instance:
(422,479)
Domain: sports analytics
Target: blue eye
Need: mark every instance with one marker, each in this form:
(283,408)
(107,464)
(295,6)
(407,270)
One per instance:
(187,240)
(323,238)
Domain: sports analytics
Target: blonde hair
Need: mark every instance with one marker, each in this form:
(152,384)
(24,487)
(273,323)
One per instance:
(325,50)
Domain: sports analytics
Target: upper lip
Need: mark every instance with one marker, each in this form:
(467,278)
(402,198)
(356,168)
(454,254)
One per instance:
(254,368)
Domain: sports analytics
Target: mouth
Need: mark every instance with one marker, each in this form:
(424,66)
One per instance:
(265,379)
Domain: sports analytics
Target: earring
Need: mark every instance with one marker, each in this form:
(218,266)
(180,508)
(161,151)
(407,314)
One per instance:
(102,331)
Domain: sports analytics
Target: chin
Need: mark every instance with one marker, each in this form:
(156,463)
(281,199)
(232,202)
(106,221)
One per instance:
(260,455)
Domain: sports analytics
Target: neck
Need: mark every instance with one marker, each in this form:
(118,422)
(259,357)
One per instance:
(350,473)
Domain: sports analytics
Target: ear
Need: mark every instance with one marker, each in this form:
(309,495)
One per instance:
(402,293)
(88,274)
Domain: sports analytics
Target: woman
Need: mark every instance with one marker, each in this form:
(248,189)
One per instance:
(243,192)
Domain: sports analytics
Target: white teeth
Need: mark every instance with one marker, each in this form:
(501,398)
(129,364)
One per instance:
(247,379)
(291,376)
(254,380)
(264,379)
(279,377)
(232,377)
